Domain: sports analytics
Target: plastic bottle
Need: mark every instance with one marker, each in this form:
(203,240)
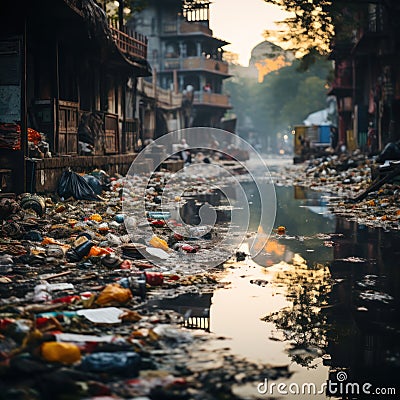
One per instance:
(159,215)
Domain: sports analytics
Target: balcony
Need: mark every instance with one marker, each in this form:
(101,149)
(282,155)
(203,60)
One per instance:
(196,63)
(131,44)
(184,27)
(374,36)
(208,64)
(165,98)
(211,99)
(194,27)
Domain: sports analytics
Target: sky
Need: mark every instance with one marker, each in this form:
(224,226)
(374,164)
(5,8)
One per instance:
(242,22)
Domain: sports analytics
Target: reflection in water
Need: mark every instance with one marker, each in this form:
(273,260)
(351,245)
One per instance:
(367,305)
(331,301)
(302,323)
(194,308)
(326,298)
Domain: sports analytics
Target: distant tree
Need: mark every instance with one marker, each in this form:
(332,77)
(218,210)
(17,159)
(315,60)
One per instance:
(128,7)
(282,100)
(313,24)
(231,57)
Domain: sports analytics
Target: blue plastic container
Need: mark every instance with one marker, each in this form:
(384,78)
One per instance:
(324,134)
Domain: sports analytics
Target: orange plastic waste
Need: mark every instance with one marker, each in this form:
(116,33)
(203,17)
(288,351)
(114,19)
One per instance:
(96,251)
(155,241)
(113,293)
(96,217)
(66,353)
(49,240)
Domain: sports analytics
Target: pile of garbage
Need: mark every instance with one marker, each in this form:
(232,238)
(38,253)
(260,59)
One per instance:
(73,293)
(348,179)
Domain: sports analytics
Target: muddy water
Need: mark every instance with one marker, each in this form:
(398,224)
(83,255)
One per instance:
(324,301)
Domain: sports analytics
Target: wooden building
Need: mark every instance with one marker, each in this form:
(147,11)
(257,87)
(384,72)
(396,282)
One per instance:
(69,73)
(367,76)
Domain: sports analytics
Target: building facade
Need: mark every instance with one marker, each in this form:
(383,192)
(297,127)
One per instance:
(186,57)
(72,74)
(367,76)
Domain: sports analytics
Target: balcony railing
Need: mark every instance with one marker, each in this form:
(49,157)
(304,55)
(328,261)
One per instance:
(166,97)
(211,99)
(129,42)
(183,27)
(205,63)
(196,63)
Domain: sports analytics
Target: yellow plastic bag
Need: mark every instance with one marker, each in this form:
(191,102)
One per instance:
(66,353)
(114,293)
(159,243)
(96,217)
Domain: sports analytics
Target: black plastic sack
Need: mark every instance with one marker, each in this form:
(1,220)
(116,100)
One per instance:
(73,185)
(94,183)
(390,152)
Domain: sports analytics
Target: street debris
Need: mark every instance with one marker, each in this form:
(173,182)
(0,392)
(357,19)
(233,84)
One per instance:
(74,289)
(349,178)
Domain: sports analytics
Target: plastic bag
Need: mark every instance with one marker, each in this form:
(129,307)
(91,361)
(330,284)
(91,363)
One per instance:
(94,183)
(114,293)
(390,152)
(73,185)
(159,243)
(67,353)
(118,362)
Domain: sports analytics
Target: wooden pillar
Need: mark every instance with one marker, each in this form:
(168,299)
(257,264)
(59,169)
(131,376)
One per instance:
(21,179)
(175,77)
(123,111)
(121,14)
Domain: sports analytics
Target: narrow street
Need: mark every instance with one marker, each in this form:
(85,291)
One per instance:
(320,299)
(199,200)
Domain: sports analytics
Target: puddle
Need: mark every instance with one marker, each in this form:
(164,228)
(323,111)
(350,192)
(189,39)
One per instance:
(321,300)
